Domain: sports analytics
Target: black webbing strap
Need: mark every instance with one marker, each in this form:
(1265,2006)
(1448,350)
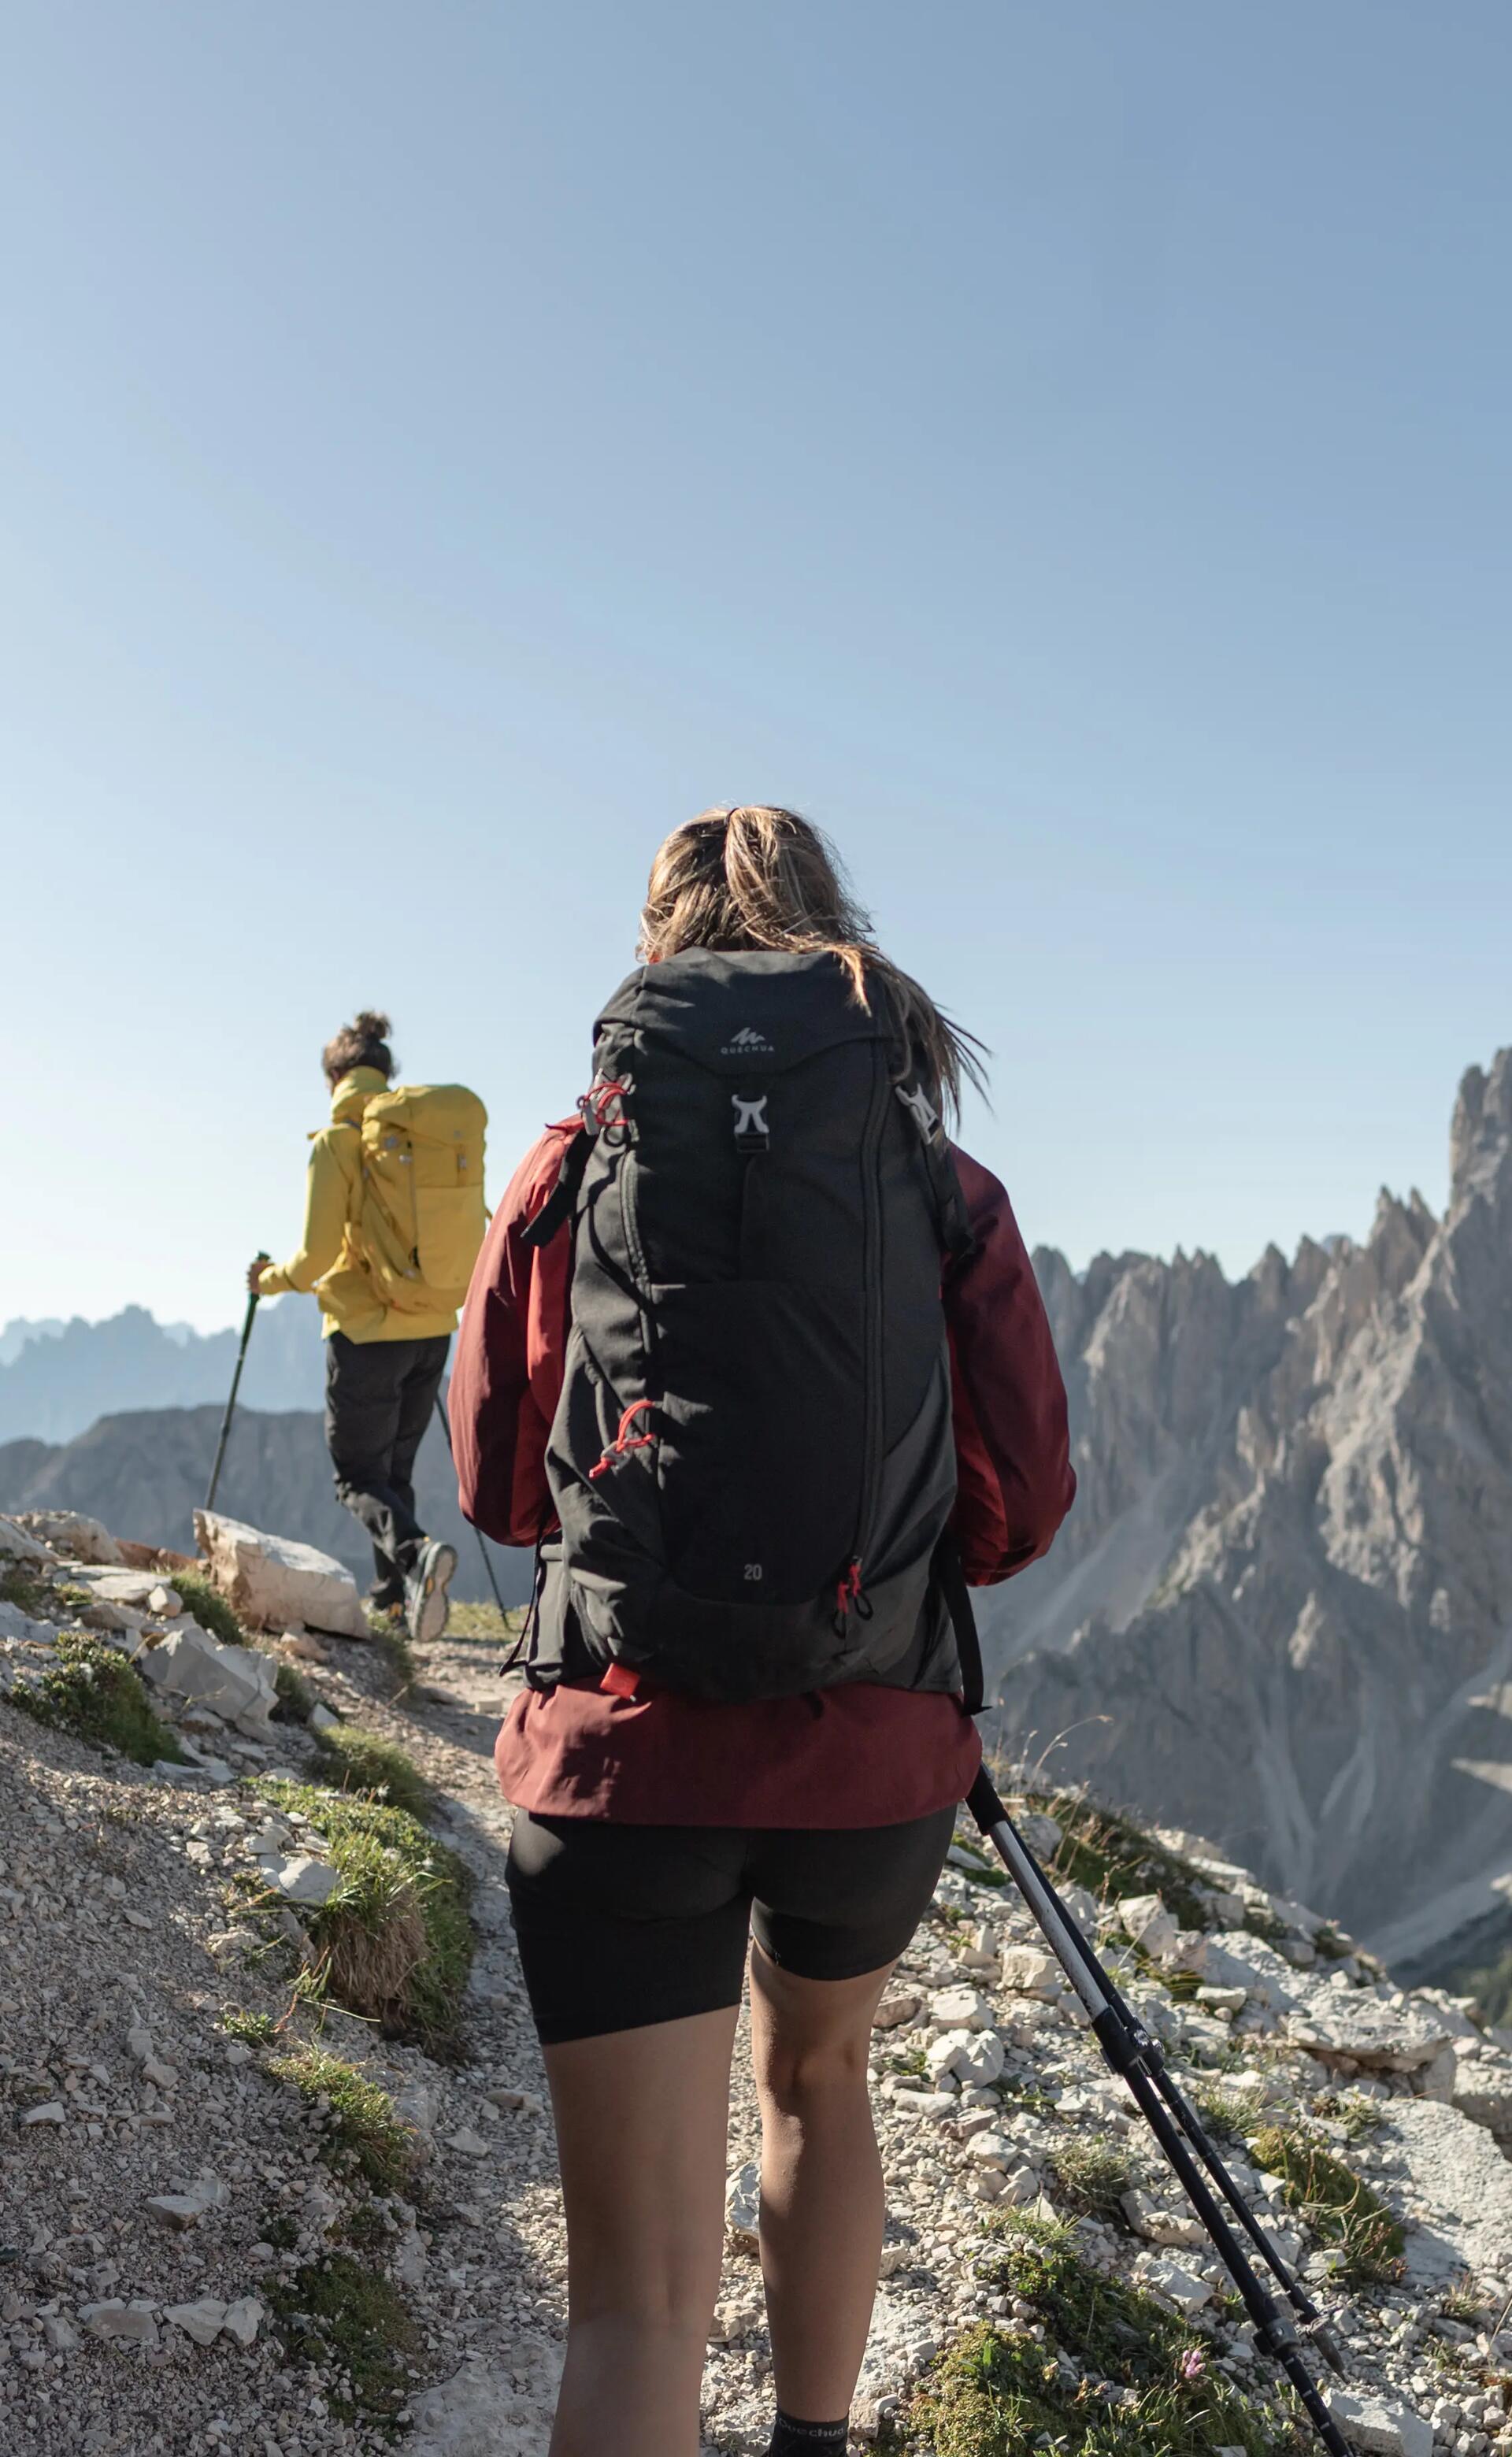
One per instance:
(558,1204)
(957,1593)
(952,1224)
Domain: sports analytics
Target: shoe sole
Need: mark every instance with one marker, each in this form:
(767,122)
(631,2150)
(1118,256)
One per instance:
(439,1563)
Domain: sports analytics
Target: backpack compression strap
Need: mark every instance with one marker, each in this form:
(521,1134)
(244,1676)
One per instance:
(957,1593)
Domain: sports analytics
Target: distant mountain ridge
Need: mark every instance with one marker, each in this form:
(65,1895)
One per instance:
(56,1379)
(1280,1614)
(143,1475)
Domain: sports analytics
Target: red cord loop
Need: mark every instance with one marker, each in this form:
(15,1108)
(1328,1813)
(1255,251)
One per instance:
(623,1441)
(848,1594)
(595,1103)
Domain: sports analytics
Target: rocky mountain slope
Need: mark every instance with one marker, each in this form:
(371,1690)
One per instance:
(1281,1612)
(232,2215)
(56,1379)
(146,1471)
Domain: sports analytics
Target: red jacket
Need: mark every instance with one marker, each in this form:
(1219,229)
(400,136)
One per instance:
(1016,1483)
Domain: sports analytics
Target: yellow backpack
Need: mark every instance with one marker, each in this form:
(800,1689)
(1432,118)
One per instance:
(420,1214)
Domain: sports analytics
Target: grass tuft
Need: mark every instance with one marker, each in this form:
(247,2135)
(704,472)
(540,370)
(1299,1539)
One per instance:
(392,1641)
(203,1599)
(364,2133)
(344,2316)
(484,1625)
(1228,2111)
(90,1690)
(33,1596)
(395,1938)
(1091,2176)
(253,2027)
(1336,2203)
(1115,2374)
(297,1699)
(1112,1856)
(360,1760)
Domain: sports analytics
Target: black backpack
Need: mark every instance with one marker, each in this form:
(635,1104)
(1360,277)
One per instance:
(753,1462)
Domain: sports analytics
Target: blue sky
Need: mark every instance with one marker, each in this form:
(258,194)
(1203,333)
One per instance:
(1066,450)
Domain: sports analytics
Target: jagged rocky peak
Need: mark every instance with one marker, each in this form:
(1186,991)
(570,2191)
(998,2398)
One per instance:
(1281,1612)
(1481,1137)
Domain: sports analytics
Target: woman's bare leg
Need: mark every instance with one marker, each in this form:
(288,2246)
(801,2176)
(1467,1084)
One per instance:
(642,2122)
(821,2179)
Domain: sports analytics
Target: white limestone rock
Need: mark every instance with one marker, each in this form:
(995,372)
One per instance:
(271,1582)
(959,2008)
(235,1681)
(71,1532)
(502,2407)
(202,2319)
(135,2322)
(1377,2429)
(18,1546)
(188,2203)
(896,2008)
(1028,1970)
(1447,2177)
(1146,1922)
(302,1879)
(1353,2026)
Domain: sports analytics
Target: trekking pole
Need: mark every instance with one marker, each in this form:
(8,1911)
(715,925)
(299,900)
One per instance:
(236,1385)
(1133,2056)
(488,1565)
(1315,2323)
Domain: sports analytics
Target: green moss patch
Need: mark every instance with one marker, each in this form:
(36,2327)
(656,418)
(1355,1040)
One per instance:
(344,2315)
(395,1939)
(90,1690)
(364,2133)
(1335,2203)
(1116,2375)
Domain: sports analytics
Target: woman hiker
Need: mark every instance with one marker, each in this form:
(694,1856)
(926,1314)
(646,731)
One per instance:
(757,1359)
(384,1363)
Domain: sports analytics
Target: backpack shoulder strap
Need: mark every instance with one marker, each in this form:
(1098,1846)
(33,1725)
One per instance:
(557,1209)
(952,1224)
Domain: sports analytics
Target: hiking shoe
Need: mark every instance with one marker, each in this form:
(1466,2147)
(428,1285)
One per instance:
(426,1606)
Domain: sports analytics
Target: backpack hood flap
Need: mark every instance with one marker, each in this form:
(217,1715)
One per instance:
(740,1013)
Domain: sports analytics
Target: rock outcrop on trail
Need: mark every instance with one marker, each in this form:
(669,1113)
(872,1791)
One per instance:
(1282,1611)
(232,2214)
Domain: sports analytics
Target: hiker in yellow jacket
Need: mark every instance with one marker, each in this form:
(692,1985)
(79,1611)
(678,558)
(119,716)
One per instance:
(387,1251)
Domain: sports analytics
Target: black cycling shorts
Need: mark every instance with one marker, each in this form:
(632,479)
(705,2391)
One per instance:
(619,1926)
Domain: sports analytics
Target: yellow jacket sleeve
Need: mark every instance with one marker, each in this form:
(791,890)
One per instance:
(327,1199)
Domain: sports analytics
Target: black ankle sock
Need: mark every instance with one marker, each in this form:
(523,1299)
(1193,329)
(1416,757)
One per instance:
(791,2438)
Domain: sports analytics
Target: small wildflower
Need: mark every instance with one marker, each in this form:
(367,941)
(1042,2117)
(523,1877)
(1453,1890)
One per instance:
(1192,2364)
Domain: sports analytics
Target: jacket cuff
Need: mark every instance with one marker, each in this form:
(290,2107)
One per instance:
(273,1281)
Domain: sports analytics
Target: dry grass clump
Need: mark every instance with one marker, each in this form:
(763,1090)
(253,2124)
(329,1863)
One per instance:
(394,1942)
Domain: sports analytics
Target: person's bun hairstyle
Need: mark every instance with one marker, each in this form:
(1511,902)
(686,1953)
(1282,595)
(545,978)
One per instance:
(361,1043)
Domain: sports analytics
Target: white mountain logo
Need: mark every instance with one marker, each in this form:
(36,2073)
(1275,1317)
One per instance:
(747,1043)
